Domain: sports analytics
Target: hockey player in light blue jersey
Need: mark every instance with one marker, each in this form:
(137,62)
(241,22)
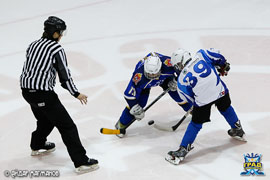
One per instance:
(153,70)
(200,83)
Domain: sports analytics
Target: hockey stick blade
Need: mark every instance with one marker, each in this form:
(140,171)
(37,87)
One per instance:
(112,131)
(163,128)
(160,127)
(174,127)
(179,123)
(170,129)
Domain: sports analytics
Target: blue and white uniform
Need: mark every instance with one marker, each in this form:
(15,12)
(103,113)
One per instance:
(199,80)
(200,83)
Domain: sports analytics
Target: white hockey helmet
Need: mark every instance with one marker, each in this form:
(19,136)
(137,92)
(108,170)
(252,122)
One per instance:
(179,59)
(152,67)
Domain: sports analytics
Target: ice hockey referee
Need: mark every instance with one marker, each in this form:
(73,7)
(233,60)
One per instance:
(44,58)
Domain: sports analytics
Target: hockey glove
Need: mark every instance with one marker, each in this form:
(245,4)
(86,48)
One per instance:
(172,85)
(223,70)
(137,111)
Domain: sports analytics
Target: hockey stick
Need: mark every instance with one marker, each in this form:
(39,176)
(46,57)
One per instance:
(174,127)
(123,131)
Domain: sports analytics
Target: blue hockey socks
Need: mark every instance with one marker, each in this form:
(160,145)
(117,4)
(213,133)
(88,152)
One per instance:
(230,116)
(191,133)
(126,117)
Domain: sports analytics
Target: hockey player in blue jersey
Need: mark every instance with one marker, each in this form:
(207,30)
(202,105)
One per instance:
(200,82)
(154,70)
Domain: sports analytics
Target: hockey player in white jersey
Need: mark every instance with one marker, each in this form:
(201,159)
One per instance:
(200,83)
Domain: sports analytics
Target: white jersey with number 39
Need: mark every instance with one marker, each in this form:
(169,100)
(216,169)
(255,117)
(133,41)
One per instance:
(199,81)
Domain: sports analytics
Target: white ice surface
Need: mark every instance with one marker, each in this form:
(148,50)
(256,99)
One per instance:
(105,40)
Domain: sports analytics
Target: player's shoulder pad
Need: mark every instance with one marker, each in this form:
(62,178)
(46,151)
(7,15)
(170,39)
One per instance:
(139,65)
(212,53)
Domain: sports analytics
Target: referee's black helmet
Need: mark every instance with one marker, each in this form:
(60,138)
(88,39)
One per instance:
(54,24)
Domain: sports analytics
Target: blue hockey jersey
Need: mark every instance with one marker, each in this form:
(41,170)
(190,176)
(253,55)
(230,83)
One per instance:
(139,82)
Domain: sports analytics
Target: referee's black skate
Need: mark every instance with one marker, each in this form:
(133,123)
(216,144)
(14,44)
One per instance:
(175,157)
(238,132)
(90,165)
(48,147)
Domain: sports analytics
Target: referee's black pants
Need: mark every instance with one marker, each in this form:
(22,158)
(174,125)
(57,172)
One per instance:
(50,113)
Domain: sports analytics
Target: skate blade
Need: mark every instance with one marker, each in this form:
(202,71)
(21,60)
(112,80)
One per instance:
(86,169)
(120,135)
(241,138)
(41,152)
(173,160)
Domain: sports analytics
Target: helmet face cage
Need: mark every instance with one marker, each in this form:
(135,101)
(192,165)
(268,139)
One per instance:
(152,76)
(178,67)
(152,67)
(179,59)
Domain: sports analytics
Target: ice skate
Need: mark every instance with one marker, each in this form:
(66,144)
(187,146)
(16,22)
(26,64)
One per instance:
(89,166)
(237,133)
(119,125)
(47,148)
(175,157)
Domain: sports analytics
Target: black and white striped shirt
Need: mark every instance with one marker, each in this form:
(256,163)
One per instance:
(44,58)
